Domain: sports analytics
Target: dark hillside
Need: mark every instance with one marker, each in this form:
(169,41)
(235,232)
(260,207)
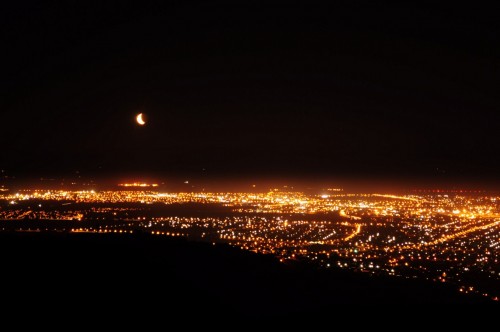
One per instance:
(127,275)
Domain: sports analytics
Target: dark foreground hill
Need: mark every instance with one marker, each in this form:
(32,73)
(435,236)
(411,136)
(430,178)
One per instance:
(126,276)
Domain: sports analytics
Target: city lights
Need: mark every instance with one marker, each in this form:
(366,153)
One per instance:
(441,237)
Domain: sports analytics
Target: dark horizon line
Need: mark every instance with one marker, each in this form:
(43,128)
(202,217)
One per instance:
(347,182)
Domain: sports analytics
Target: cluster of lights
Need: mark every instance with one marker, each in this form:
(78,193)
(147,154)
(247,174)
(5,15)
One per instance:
(446,238)
(138,184)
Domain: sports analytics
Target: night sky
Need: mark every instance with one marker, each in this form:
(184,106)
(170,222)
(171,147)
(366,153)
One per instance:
(350,90)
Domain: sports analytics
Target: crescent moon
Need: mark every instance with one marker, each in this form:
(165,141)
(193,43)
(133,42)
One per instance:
(140,120)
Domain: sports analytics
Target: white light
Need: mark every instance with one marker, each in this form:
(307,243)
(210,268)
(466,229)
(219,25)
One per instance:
(140,119)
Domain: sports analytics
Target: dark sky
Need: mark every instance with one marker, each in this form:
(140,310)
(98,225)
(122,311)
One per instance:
(352,89)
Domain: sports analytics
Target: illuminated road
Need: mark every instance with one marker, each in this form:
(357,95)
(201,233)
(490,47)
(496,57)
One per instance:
(356,232)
